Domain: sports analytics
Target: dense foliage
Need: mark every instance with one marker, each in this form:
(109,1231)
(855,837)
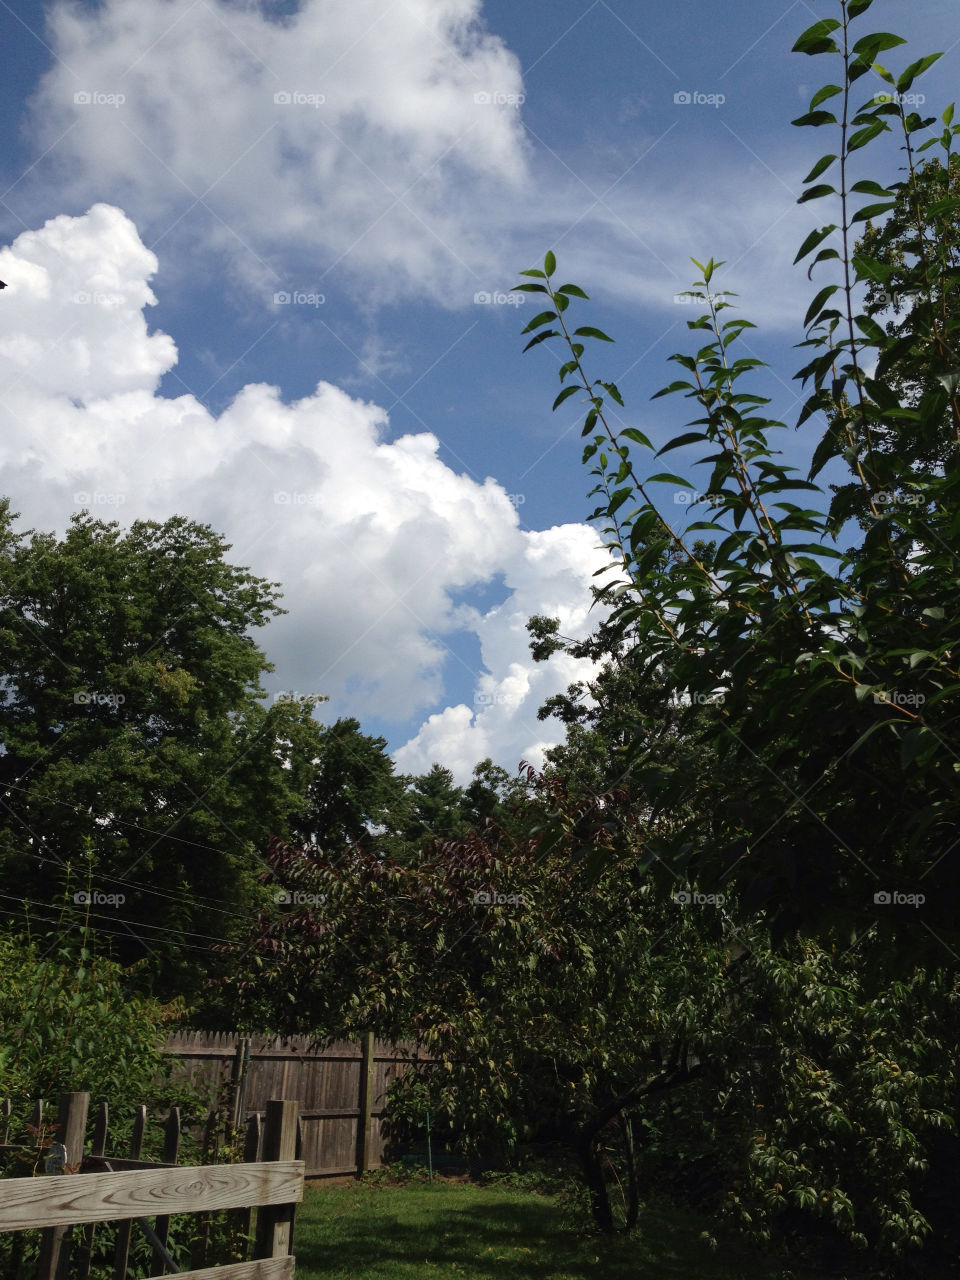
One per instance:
(73,1021)
(820,681)
(133,735)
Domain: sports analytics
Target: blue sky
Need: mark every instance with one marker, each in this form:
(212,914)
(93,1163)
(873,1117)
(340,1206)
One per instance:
(173,172)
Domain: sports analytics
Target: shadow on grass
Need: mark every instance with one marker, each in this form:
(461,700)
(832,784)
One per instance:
(481,1234)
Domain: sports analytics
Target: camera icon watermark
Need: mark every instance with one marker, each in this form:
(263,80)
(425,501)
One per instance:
(685,898)
(885,898)
(485,898)
(890,298)
(293,498)
(95,98)
(904,99)
(486,298)
(688,97)
(97,899)
(693,497)
(889,498)
(496,98)
(897,699)
(294,98)
(97,299)
(295,898)
(497,498)
(87,698)
(707,699)
(98,498)
(298,298)
(497,699)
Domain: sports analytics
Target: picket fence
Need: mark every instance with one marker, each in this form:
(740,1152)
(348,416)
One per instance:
(93,1188)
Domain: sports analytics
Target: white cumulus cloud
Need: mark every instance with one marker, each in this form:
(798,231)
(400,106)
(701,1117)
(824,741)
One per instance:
(372,541)
(366,136)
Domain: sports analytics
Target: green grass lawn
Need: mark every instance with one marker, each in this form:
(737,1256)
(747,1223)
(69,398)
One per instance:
(457,1231)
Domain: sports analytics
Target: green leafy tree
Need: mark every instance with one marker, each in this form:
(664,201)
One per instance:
(354,796)
(435,807)
(824,658)
(918,238)
(661,1041)
(836,734)
(135,744)
(552,1004)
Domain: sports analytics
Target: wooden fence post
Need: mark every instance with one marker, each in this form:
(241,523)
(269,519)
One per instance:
(72,1127)
(251,1154)
(210,1152)
(125,1228)
(98,1147)
(171,1149)
(275,1222)
(368,1069)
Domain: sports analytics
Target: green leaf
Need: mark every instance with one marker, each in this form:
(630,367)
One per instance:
(565,394)
(884,74)
(815,119)
(817,192)
(534,272)
(817,304)
(528,288)
(813,239)
(873,211)
(543,318)
(574,290)
(618,498)
(869,46)
(689,437)
(588,332)
(549,263)
(816,39)
(856,7)
(868,188)
(867,134)
(823,256)
(916,69)
(822,165)
(822,95)
(631,433)
(869,326)
(541,337)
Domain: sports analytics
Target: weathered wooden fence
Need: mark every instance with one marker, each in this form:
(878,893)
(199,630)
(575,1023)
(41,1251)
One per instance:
(341,1088)
(97,1189)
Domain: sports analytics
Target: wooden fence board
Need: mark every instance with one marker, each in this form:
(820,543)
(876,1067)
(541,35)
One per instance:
(110,1197)
(261,1269)
(341,1100)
